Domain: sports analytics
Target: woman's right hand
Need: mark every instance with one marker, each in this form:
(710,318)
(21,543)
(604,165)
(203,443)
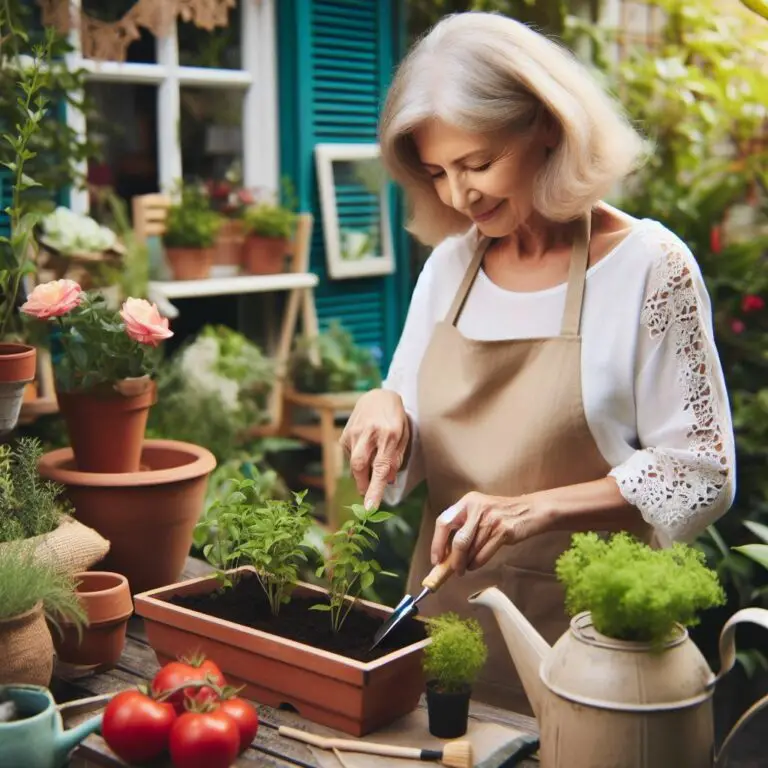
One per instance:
(376,440)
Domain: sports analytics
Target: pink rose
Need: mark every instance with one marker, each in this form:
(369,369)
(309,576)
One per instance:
(53,299)
(143,322)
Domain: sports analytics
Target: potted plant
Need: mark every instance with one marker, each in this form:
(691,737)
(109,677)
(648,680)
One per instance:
(230,199)
(452,662)
(103,372)
(268,229)
(31,508)
(190,234)
(30,591)
(289,642)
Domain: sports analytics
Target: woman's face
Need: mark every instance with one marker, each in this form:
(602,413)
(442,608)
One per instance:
(487,177)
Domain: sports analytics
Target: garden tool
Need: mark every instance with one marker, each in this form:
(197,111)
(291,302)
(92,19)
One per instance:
(407,606)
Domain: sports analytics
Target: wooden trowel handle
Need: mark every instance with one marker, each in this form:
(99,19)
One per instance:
(437,576)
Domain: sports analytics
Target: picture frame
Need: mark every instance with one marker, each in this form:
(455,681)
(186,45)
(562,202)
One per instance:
(355,206)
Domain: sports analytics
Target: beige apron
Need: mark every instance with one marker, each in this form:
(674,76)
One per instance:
(504,418)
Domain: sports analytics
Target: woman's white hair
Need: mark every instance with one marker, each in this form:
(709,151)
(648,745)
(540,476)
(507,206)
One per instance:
(484,72)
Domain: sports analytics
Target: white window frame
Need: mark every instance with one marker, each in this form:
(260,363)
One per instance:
(257,79)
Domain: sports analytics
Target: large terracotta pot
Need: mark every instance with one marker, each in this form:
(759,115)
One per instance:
(190,263)
(18,366)
(228,250)
(148,516)
(26,649)
(106,427)
(106,599)
(264,255)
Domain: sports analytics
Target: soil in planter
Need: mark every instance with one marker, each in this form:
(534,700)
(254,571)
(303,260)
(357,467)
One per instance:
(246,604)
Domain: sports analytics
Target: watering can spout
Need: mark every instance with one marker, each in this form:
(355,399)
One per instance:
(67,740)
(526,646)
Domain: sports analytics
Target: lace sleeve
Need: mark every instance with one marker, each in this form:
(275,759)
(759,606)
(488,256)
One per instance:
(682,477)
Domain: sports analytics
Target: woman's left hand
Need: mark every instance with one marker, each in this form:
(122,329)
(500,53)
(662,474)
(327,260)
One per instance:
(483,524)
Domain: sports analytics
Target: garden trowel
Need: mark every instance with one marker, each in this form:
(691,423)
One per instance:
(407,606)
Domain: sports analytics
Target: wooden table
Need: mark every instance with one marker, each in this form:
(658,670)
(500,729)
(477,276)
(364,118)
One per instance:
(138,664)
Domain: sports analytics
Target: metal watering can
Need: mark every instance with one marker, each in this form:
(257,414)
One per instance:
(606,703)
(38,740)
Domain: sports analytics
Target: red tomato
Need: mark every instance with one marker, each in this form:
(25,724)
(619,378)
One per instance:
(245,716)
(176,673)
(204,740)
(136,728)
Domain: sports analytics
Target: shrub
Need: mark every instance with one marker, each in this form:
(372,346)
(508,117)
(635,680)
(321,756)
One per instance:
(192,223)
(456,654)
(268,220)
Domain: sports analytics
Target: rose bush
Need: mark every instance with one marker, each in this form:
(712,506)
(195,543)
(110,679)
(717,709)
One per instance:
(95,344)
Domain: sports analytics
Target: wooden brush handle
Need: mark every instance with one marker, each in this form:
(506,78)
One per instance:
(349,745)
(437,576)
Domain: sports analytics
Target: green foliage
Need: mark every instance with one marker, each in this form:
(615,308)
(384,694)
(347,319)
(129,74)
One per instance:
(29,504)
(345,569)
(456,654)
(192,223)
(268,220)
(24,582)
(247,529)
(635,592)
(332,362)
(96,350)
(240,359)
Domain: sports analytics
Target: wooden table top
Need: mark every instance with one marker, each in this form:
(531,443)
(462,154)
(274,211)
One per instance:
(138,664)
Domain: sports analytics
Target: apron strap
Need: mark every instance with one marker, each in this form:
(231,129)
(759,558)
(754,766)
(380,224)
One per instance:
(577,275)
(468,281)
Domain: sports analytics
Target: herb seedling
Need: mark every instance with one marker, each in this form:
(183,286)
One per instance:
(346,570)
(456,654)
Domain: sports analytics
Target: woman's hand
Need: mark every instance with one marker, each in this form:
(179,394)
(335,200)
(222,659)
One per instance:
(483,524)
(376,439)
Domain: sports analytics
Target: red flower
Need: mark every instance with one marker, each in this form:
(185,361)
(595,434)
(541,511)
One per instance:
(737,326)
(715,239)
(752,303)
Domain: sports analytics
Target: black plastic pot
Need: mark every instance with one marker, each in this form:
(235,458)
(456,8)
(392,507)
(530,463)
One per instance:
(448,712)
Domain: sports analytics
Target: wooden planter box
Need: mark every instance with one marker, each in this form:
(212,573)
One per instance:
(323,687)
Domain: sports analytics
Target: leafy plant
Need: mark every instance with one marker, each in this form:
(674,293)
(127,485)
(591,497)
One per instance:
(24,582)
(29,505)
(268,534)
(269,220)
(192,223)
(332,362)
(345,569)
(456,654)
(635,592)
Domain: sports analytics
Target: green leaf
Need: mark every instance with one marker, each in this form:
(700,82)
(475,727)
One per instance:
(320,607)
(760,530)
(379,517)
(756,552)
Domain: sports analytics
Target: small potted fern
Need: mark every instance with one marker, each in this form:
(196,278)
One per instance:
(452,662)
(268,229)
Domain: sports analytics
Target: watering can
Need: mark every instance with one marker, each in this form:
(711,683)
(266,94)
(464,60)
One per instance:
(38,740)
(606,703)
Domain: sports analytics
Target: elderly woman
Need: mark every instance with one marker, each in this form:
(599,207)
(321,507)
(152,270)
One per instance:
(557,371)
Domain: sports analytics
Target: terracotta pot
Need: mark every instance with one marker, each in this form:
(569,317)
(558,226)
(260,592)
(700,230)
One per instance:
(26,649)
(190,263)
(106,599)
(18,367)
(323,687)
(228,250)
(106,428)
(148,516)
(264,255)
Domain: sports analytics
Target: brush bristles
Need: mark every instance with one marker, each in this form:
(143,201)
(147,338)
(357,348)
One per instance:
(457,754)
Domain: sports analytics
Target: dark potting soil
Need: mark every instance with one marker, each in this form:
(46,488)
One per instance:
(246,604)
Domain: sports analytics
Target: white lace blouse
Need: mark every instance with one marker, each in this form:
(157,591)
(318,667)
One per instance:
(653,388)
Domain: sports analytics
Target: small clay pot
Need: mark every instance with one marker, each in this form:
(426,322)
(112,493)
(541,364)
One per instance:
(448,712)
(18,366)
(106,598)
(228,250)
(190,263)
(264,255)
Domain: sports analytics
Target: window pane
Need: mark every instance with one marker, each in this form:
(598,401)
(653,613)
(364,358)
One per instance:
(139,51)
(211,132)
(126,128)
(219,48)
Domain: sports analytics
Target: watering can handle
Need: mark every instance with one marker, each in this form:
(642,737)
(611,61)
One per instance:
(757,616)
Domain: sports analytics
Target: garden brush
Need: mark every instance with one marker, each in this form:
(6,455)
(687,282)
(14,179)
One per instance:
(454,754)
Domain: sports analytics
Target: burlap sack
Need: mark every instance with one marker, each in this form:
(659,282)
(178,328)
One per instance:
(26,649)
(70,548)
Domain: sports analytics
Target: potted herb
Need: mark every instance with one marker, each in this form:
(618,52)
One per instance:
(634,592)
(268,229)
(30,591)
(230,199)
(103,372)
(31,508)
(190,234)
(452,662)
(261,624)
